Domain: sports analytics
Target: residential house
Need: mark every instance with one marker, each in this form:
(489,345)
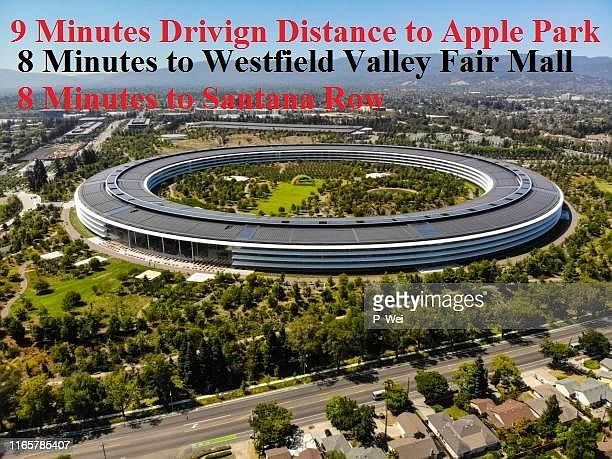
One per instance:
(278,453)
(568,411)
(605,448)
(590,393)
(482,405)
(415,441)
(335,443)
(509,413)
(465,437)
(365,453)
(411,425)
(414,448)
(606,364)
(310,453)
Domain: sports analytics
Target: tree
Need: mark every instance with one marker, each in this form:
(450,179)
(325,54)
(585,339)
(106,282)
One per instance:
(558,352)
(271,424)
(71,300)
(121,390)
(37,177)
(396,398)
(10,378)
(472,378)
(83,395)
(95,264)
(595,343)
(188,364)
(41,286)
(504,367)
(549,418)
(365,425)
(35,401)
(581,440)
(156,377)
(506,375)
(340,411)
(433,386)
(15,328)
(335,454)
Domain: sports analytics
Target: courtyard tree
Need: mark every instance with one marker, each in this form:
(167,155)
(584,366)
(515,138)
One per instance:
(471,377)
(433,386)
(121,390)
(340,411)
(595,343)
(558,352)
(271,424)
(396,397)
(549,418)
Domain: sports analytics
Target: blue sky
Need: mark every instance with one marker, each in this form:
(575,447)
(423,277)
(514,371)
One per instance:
(435,14)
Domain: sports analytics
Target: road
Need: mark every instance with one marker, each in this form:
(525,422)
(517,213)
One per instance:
(166,435)
(105,134)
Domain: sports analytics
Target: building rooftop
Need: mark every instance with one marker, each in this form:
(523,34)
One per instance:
(365,453)
(413,448)
(278,453)
(464,435)
(482,405)
(410,424)
(335,443)
(592,390)
(568,411)
(509,413)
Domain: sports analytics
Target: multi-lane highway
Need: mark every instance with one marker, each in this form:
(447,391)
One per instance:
(165,436)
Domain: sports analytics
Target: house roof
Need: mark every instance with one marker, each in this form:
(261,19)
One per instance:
(509,413)
(335,442)
(568,411)
(412,448)
(410,423)
(605,447)
(606,363)
(569,384)
(592,389)
(546,390)
(464,435)
(310,453)
(482,404)
(278,453)
(365,453)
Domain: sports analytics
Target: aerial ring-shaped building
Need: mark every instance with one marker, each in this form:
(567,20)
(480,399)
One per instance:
(517,207)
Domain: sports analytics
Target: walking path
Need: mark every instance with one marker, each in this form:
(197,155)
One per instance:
(22,288)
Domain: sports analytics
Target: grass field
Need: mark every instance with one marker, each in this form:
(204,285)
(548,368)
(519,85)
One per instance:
(77,225)
(455,412)
(106,281)
(286,194)
(604,186)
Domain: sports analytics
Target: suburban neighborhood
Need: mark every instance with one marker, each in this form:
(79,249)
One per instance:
(490,411)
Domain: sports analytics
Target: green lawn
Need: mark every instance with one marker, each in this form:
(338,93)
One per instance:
(77,225)
(286,194)
(455,412)
(591,364)
(604,186)
(106,281)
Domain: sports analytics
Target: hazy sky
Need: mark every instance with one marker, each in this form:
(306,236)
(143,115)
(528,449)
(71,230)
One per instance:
(435,14)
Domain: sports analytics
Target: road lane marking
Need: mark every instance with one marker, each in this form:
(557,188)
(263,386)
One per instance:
(207,420)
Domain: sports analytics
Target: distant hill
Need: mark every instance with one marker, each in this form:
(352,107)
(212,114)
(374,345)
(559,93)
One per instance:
(590,73)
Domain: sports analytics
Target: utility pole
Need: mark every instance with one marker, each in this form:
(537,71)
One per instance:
(387,385)
(103,450)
